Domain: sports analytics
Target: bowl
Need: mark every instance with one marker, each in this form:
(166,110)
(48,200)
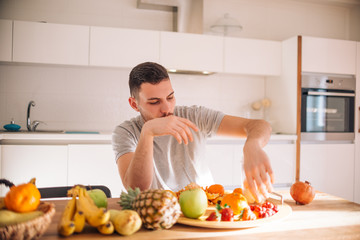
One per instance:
(32,229)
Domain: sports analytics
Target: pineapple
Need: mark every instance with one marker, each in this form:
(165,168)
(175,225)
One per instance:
(158,209)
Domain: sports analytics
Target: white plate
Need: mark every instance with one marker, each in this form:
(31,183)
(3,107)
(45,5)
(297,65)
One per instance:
(284,211)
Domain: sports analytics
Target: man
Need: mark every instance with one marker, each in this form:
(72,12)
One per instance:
(164,146)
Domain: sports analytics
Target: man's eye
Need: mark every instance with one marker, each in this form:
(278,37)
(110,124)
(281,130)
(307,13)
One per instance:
(169,98)
(153,103)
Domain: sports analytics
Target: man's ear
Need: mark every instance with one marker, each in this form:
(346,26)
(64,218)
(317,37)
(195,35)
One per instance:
(133,103)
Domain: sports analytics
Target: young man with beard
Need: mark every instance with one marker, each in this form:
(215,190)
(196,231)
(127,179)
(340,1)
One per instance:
(164,147)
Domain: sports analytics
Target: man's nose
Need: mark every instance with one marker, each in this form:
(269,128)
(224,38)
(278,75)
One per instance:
(165,108)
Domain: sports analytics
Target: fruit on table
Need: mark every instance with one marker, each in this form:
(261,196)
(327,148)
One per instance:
(227,214)
(216,188)
(126,222)
(66,226)
(8,217)
(193,202)
(23,198)
(99,197)
(79,221)
(94,215)
(302,192)
(106,229)
(158,209)
(237,202)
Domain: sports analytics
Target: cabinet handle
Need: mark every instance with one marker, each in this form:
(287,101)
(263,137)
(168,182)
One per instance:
(359,121)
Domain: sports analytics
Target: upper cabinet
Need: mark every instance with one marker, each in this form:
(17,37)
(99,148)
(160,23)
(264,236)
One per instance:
(116,47)
(50,43)
(193,52)
(5,40)
(251,56)
(328,55)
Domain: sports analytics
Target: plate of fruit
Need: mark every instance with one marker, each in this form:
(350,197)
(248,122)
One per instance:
(212,207)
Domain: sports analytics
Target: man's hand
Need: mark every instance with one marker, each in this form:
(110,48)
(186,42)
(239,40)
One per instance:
(171,125)
(259,174)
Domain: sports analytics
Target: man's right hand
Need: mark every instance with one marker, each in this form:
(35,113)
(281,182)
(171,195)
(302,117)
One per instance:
(171,125)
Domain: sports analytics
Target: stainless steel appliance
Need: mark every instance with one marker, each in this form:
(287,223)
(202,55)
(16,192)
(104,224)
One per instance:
(327,107)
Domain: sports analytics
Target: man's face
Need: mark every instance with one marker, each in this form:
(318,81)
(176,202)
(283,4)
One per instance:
(154,100)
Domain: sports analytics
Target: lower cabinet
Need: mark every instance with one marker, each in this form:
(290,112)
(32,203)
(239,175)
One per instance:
(226,163)
(94,164)
(329,168)
(48,163)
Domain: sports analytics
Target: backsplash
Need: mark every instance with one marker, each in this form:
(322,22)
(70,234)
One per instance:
(96,99)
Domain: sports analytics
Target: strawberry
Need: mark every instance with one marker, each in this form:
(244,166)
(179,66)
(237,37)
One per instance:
(227,214)
(213,217)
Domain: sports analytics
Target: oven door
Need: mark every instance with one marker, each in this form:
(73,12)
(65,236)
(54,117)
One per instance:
(327,114)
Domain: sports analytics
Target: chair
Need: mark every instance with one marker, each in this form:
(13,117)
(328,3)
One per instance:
(58,192)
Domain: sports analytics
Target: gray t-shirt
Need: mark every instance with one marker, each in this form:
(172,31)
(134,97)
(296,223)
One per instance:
(175,165)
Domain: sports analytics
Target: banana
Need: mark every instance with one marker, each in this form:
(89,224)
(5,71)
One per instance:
(79,221)
(8,217)
(107,228)
(94,216)
(66,226)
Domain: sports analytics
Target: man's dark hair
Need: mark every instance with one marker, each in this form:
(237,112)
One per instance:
(147,72)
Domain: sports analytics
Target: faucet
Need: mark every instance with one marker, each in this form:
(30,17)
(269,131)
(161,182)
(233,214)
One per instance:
(31,126)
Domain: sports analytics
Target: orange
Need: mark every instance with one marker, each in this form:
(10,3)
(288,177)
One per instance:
(215,188)
(237,202)
(238,190)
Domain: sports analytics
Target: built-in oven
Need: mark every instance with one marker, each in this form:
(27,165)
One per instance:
(327,107)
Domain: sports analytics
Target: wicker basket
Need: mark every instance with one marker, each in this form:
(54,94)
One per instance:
(32,229)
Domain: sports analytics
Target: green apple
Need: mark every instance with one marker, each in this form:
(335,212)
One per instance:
(193,202)
(99,197)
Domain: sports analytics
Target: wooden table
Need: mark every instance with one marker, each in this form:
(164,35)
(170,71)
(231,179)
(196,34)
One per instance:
(327,217)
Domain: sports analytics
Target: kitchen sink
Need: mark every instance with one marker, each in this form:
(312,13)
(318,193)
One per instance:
(37,131)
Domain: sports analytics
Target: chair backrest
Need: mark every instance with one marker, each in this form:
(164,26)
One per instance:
(58,192)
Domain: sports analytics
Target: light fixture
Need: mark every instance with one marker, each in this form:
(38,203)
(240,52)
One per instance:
(226,25)
(178,71)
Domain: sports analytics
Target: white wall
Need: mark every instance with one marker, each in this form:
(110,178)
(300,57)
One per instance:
(263,19)
(81,98)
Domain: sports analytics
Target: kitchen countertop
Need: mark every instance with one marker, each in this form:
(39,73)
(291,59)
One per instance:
(327,217)
(105,138)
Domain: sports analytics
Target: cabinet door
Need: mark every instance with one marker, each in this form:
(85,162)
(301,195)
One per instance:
(282,158)
(115,47)
(357,130)
(5,40)
(250,56)
(328,55)
(50,43)
(225,162)
(329,168)
(94,164)
(48,164)
(194,52)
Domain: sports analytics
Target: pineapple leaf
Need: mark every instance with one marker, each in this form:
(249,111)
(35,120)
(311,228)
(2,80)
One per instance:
(127,199)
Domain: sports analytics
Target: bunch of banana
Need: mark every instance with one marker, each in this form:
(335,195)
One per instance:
(81,209)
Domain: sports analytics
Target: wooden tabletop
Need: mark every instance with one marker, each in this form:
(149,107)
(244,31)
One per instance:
(327,217)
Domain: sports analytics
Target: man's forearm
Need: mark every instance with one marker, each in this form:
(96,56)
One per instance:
(258,130)
(140,170)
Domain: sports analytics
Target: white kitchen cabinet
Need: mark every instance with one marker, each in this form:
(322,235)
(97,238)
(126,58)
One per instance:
(251,56)
(47,163)
(323,55)
(193,52)
(357,130)
(226,162)
(329,168)
(94,164)
(282,157)
(36,42)
(5,40)
(116,47)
